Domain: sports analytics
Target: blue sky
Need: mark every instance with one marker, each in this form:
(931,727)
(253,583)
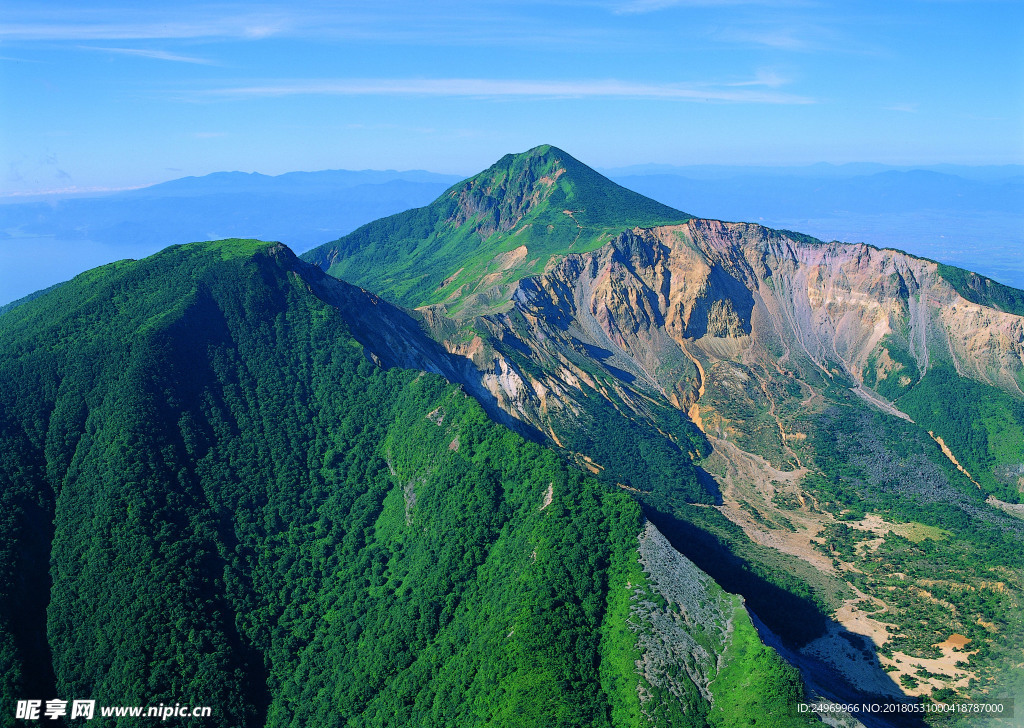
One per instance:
(114,95)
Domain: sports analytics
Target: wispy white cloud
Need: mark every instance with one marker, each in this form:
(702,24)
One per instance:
(831,33)
(441,23)
(649,6)
(143,26)
(787,39)
(904,107)
(764,77)
(736,92)
(145,53)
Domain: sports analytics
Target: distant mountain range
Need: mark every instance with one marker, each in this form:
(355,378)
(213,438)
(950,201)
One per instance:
(44,242)
(790,196)
(968,216)
(303,208)
(821,170)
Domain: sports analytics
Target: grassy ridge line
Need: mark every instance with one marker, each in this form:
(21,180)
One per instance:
(983,291)
(30,297)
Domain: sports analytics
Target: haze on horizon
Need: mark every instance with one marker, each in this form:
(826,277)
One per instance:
(114,95)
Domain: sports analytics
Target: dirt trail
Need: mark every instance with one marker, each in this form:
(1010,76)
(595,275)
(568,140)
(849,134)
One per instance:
(579,227)
(772,411)
(694,413)
(859,615)
(952,458)
(883,404)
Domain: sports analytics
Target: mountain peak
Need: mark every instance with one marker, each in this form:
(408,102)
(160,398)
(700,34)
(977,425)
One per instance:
(543,157)
(510,220)
(543,165)
(547,173)
(540,153)
(499,198)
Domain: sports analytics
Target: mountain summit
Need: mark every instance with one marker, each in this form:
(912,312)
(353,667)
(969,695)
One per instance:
(491,229)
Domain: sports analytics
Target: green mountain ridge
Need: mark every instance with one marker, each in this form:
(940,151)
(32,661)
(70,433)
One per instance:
(213,493)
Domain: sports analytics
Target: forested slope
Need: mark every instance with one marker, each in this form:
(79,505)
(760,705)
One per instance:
(212,495)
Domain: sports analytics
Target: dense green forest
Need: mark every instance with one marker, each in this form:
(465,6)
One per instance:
(211,495)
(982,424)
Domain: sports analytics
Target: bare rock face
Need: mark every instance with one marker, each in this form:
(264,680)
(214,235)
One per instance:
(652,312)
(842,300)
(693,605)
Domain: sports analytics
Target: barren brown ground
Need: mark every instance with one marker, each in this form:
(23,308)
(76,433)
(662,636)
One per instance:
(748,478)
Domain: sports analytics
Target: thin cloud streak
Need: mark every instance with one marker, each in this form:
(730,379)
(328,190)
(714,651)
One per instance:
(824,35)
(635,7)
(243,27)
(492,88)
(156,55)
(786,40)
(768,79)
(907,108)
(365,22)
